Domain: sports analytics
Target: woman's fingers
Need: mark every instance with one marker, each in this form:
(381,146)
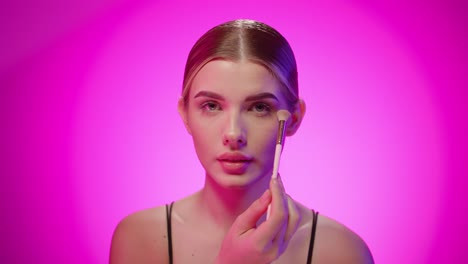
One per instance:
(248,219)
(281,241)
(265,243)
(275,225)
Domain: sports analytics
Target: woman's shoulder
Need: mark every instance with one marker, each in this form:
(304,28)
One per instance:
(336,243)
(141,237)
(140,222)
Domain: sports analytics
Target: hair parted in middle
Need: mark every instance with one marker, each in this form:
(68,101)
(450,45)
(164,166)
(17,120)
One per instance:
(249,40)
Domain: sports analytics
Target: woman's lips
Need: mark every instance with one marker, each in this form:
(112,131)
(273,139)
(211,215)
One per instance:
(234,163)
(234,167)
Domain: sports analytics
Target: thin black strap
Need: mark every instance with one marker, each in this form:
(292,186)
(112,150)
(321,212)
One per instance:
(169,230)
(312,236)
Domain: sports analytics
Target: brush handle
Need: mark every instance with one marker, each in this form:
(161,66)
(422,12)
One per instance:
(279,147)
(268,212)
(275,170)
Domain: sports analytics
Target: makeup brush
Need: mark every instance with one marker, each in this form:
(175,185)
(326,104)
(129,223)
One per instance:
(283,116)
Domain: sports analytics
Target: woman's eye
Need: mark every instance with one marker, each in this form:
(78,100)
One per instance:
(211,106)
(261,108)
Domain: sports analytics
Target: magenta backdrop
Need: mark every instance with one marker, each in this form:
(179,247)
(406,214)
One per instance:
(91,132)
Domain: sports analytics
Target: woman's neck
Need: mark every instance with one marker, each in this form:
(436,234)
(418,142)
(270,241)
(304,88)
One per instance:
(222,205)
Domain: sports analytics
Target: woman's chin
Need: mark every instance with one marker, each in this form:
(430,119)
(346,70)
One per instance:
(239,182)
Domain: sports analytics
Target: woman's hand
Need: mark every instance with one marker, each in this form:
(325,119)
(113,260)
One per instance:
(248,243)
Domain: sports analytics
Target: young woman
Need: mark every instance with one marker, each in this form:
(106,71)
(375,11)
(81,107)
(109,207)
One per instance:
(237,77)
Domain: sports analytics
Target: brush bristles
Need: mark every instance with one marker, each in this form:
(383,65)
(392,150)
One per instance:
(283,115)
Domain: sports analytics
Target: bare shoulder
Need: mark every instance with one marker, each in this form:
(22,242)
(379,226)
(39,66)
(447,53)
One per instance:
(141,237)
(336,243)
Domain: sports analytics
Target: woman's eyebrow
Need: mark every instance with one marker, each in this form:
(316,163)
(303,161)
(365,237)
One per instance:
(261,96)
(209,94)
(254,97)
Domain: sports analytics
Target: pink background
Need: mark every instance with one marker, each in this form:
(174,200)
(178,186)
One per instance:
(90,130)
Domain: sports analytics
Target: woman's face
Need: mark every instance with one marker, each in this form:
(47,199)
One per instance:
(231,115)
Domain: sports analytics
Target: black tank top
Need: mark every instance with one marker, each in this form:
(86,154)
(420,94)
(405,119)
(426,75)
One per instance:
(169,233)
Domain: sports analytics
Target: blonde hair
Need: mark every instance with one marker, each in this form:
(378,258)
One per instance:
(250,40)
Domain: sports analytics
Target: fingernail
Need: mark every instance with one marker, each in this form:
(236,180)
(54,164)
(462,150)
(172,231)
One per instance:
(274,181)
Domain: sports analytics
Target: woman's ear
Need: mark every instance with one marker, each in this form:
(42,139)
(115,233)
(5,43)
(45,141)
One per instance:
(182,109)
(296,118)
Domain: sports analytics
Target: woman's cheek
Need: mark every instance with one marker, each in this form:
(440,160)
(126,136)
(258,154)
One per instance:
(266,137)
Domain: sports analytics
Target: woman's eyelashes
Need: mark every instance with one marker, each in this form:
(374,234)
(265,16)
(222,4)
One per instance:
(210,106)
(261,108)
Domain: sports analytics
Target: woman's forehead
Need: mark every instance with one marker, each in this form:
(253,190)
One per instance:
(234,78)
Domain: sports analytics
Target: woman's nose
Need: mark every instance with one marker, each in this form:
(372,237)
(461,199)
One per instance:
(234,135)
